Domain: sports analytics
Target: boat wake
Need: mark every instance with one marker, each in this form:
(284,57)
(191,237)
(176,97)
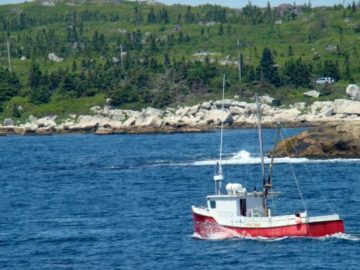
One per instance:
(242,157)
(343,236)
(228,234)
(245,157)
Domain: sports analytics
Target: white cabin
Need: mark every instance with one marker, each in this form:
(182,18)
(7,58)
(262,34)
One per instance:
(238,203)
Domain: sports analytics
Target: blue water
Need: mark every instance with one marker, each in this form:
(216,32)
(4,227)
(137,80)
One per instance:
(124,202)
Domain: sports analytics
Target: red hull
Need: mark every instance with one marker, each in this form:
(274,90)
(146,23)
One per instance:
(206,227)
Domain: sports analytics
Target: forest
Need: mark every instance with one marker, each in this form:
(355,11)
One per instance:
(65,56)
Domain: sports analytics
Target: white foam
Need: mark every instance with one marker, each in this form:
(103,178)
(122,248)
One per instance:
(229,234)
(344,236)
(245,157)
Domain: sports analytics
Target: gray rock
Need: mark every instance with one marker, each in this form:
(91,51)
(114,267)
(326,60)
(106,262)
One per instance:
(327,112)
(53,57)
(153,112)
(239,103)
(193,110)
(130,121)
(312,93)
(300,105)
(266,99)
(216,116)
(48,121)
(235,110)
(320,106)
(227,103)
(353,91)
(8,122)
(206,105)
(343,106)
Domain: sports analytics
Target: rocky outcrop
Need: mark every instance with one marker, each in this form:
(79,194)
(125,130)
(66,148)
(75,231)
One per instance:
(204,116)
(329,140)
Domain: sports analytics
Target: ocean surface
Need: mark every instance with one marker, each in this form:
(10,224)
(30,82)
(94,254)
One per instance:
(124,202)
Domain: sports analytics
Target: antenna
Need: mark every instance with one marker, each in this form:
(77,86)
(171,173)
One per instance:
(260,137)
(222,121)
(218,177)
(8,52)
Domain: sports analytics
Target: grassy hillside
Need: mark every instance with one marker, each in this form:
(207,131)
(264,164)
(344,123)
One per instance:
(171,54)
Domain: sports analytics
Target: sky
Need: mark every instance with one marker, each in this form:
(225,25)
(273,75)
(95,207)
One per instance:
(231,3)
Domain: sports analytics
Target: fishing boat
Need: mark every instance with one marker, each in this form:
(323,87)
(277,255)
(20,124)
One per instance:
(239,212)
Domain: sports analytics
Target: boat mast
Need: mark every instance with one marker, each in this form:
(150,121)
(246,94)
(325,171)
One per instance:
(260,138)
(218,177)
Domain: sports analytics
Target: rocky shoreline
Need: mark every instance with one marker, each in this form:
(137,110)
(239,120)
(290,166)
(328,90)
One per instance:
(201,117)
(340,140)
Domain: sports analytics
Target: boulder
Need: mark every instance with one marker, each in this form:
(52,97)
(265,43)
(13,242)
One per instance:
(153,112)
(48,121)
(241,104)
(206,105)
(320,106)
(32,119)
(182,111)
(287,115)
(353,91)
(193,110)
(150,121)
(300,105)
(227,103)
(266,99)
(327,112)
(174,121)
(93,120)
(343,106)
(156,122)
(216,116)
(8,122)
(130,121)
(312,93)
(328,140)
(235,110)
(53,57)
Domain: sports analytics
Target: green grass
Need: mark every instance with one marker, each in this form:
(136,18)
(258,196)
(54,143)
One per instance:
(59,106)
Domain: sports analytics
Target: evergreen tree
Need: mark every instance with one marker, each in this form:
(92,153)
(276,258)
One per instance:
(189,16)
(151,16)
(297,73)
(9,85)
(290,51)
(221,30)
(269,70)
(137,15)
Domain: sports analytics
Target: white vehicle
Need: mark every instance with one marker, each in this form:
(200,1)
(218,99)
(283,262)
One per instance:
(323,80)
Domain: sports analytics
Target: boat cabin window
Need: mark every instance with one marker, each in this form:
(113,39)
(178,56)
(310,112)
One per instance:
(243,207)
(213,204)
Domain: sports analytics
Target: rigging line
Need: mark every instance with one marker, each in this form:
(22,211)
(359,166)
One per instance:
(309,173)
(271,164)
(294,175)
(297,184)
(222,124)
